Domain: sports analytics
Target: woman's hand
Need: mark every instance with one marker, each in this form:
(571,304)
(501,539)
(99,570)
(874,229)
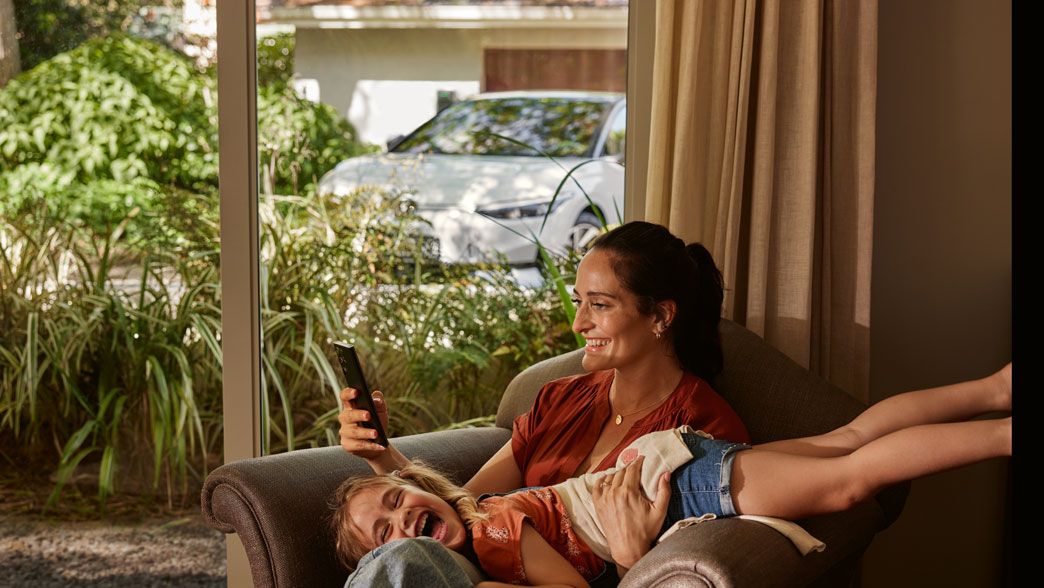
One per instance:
(630,520)
(356,438)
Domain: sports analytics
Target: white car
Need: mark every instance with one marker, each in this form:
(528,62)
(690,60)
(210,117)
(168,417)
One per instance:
(485,171)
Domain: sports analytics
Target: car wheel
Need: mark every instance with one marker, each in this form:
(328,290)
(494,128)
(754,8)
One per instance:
(585,229)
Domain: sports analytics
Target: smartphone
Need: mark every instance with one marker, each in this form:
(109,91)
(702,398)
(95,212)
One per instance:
(354,375)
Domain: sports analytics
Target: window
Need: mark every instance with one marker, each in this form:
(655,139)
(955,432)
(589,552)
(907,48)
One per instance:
(373,103)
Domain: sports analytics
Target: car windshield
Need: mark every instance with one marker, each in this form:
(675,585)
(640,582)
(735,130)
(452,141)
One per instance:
(559,127)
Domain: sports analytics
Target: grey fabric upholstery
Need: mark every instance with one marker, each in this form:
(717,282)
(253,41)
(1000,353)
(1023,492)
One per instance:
(279,504)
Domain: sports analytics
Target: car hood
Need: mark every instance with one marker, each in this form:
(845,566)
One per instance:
(454,181)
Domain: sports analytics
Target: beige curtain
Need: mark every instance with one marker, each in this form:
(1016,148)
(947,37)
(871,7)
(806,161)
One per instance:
(762,148)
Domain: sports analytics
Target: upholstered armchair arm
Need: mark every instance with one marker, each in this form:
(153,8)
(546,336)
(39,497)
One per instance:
(279,504)
(742,553)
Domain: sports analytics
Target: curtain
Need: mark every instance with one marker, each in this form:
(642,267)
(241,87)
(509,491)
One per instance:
(762,148)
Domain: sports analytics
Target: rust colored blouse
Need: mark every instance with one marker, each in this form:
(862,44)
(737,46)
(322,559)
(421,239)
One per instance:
(497,541)
(561,429)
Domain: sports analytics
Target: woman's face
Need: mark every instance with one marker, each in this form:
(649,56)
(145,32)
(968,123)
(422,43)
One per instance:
(607,316)
(388,512)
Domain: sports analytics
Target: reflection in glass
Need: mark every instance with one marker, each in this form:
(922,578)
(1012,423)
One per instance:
(443,258)
(548,127)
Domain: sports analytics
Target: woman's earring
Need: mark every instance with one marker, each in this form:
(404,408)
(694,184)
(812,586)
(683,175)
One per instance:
(659,334)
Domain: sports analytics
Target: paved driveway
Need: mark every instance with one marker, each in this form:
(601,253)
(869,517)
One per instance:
(182,552)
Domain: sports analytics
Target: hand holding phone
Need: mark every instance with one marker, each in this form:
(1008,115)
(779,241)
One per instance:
(354,376)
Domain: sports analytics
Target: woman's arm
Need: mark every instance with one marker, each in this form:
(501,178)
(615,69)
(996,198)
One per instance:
(359,440)
(499,474)
(544,566)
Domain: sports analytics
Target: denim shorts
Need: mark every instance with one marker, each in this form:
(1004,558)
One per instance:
(702,485)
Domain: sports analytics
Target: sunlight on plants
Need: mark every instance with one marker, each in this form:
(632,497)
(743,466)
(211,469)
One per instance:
(110,326)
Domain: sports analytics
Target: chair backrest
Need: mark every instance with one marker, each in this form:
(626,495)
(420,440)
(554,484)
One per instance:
(774,395)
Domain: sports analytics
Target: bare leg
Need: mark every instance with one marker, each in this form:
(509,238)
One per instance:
(954,402)
(795,486)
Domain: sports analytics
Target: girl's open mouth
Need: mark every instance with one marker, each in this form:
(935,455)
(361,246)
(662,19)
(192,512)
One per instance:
(432,526)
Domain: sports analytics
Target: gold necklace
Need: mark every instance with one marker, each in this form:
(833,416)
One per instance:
(620,416)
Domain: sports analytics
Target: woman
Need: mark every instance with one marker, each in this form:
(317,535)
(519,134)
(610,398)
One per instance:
(649,308)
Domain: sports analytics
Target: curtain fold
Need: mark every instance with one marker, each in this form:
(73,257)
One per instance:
(762,148)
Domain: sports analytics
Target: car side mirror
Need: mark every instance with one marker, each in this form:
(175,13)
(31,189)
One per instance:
(394,141)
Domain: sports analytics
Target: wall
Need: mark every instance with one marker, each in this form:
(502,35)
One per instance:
(386,80)
(941,295)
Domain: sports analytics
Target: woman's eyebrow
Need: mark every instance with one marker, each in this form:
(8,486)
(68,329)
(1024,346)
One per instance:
(596,293)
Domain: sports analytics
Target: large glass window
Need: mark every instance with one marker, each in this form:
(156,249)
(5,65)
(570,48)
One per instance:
(455,157)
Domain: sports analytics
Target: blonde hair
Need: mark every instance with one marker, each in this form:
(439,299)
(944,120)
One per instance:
(347,536)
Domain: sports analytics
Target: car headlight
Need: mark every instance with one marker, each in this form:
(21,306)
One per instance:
(525,210)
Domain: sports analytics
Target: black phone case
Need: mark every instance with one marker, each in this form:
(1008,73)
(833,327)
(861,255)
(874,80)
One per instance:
(353,374)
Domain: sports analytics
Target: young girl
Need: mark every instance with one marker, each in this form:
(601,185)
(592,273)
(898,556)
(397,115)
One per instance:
(554,536)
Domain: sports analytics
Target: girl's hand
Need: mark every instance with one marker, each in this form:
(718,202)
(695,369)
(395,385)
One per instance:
(355,438)
(630,520)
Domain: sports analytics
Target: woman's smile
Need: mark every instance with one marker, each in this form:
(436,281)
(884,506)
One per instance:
(595,345)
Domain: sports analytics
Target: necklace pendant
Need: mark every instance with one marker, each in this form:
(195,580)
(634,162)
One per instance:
(619,419)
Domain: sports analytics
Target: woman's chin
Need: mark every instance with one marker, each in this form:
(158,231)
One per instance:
(592,361)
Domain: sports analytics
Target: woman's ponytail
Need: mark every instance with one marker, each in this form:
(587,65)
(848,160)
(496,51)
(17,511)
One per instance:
(707,355)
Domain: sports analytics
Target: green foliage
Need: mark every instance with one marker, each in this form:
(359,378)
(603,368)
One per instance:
(110,350)
(49,27)
(123,111)
(105,358)
(153,219)
(114,108)
(442,342)
(111,353)
(299,141)
(275,59)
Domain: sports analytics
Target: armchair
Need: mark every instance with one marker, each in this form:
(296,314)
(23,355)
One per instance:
(279,504)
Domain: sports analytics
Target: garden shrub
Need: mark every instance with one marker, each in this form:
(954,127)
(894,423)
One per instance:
(275,59)
(121,108)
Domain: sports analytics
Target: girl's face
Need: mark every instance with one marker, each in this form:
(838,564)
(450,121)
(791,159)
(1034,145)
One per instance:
(388,512)
(608,318)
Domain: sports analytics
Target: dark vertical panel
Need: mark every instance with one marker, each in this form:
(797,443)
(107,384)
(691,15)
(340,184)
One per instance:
(599,70)
(941,296)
